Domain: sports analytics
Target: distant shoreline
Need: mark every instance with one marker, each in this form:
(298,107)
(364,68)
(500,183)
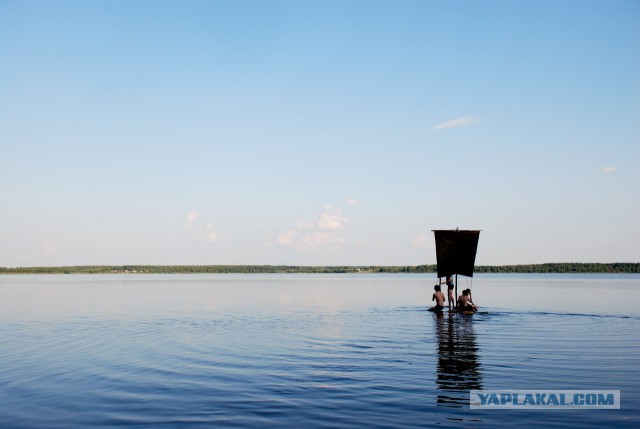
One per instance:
(558,268)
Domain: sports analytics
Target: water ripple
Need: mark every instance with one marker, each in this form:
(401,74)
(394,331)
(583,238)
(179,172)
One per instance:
(395,366)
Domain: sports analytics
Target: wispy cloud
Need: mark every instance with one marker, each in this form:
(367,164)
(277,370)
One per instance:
(286,238)
(422,240)
(455,123)
(209,234)
(192,217)
(331,219)
(319,238)
(608,170)
(352,201)
(195,229)
(325,230)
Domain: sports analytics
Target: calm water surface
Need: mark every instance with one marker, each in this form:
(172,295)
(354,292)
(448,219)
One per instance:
(309,350)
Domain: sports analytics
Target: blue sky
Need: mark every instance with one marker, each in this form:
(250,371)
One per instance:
(318,132)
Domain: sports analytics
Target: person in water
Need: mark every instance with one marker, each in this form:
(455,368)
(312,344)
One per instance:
(475,307)
(464,303)
(451,297)
(438,297)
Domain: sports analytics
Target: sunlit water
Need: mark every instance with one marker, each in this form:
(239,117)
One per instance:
(309,350)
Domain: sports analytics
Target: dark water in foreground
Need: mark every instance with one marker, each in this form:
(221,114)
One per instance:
(309,350)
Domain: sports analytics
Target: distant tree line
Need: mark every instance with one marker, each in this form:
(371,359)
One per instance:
(619,267)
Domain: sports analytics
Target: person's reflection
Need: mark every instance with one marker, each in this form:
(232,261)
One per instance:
(458,369)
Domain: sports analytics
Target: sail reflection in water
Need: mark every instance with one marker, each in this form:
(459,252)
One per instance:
(458,369)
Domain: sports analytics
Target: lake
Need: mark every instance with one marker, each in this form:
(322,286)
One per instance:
(302,350)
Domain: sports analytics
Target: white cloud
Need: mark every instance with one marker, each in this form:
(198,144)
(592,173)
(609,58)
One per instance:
(352,201)
(192,217)
(331,219)
(305,225)
(319,238)
(196,231)
(286,238)
(607,170)
(455,123)
(322,232)
(209,234)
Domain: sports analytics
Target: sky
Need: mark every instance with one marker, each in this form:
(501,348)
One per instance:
(318,132)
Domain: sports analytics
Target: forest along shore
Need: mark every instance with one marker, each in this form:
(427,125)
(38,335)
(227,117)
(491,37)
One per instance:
(618,267)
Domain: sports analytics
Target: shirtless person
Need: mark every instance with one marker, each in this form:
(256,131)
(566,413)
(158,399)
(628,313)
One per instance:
(464,304)
(438,297)
(470,302)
